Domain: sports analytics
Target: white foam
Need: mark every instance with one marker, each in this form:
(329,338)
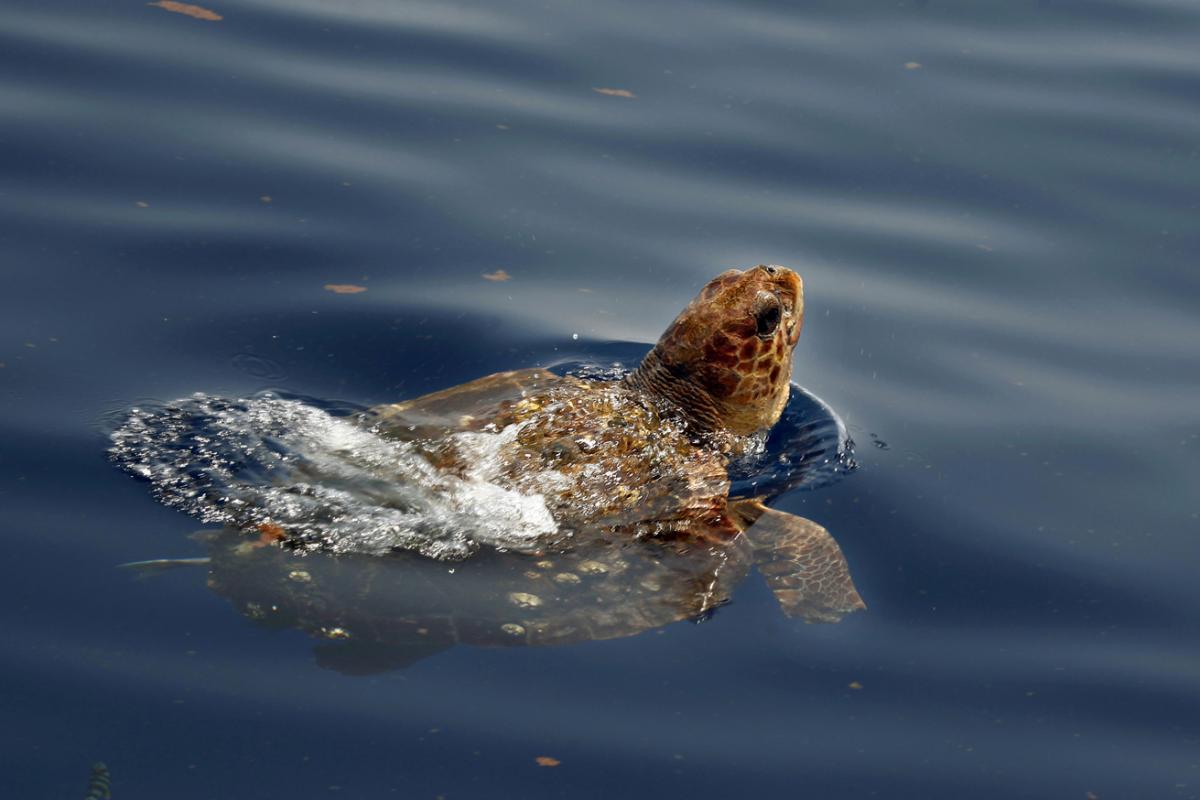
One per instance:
(328,482)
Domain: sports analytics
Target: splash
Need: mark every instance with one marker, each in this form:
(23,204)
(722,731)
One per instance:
(329,483)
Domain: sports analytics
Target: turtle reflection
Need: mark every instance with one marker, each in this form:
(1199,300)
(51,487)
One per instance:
(376,614)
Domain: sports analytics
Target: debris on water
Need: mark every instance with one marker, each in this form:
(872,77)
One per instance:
(854,685)
(547,761)
(189,10)
(497,276)
(614,92)
(344,288)
(912,65)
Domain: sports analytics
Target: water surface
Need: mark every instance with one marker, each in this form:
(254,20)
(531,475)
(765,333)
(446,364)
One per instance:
(994,209)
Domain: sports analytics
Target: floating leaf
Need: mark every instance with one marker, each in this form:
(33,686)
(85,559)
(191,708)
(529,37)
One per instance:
(854,685)
(614,92)
(497,276)
(188,9)
(547,761)
(344,288)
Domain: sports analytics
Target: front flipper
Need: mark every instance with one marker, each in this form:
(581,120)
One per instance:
(802,563)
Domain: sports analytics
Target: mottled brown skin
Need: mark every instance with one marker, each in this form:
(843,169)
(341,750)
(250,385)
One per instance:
(726,360)
(647,456)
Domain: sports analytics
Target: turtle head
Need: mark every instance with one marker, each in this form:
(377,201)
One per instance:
(726,360)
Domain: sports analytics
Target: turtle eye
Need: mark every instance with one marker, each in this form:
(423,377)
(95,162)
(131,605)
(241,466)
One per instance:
(767,314)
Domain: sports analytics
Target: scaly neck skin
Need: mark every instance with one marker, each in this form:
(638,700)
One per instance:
(695,405)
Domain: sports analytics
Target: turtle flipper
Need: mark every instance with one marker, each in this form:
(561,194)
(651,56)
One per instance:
(802,563)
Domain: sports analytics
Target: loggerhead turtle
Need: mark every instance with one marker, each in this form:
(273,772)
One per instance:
(633,472)
(647,456)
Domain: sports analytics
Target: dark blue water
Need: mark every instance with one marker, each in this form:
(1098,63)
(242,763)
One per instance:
(994,207)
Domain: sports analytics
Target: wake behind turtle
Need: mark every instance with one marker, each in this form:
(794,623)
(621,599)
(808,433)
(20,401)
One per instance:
(533,464)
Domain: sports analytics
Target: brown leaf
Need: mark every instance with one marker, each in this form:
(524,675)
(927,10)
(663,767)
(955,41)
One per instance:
(547,761)
(187,9)
(614,92)
(344,288)
(497,276)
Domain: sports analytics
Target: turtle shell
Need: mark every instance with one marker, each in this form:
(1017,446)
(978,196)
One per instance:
(604,457)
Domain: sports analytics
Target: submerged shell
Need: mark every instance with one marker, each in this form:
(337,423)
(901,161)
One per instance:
(390,612)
